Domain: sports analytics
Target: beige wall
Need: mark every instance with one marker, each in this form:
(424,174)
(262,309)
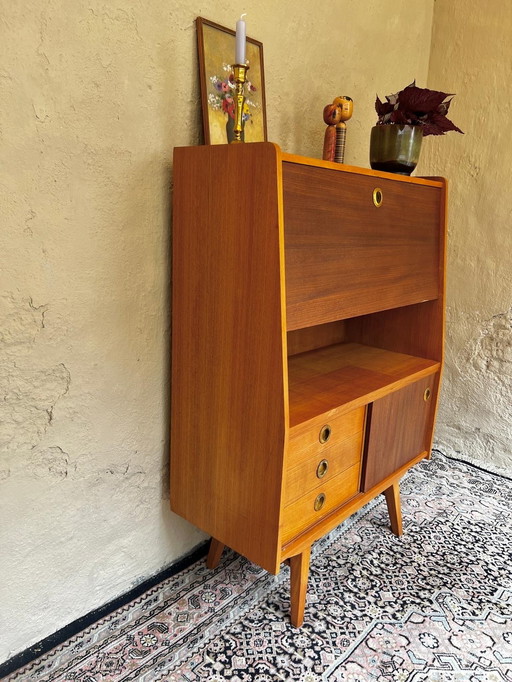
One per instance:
(94,97)
(472,56)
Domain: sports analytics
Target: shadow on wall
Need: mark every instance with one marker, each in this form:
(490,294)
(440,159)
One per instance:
(481,396)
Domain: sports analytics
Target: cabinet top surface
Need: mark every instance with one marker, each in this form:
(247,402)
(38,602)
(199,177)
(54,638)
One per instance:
(285,157)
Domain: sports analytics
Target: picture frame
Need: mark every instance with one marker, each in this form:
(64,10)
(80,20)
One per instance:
(216,52)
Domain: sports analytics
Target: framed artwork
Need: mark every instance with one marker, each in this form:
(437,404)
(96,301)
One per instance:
(216,48)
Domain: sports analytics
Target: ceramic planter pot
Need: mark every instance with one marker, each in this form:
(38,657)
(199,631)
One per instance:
(395,148)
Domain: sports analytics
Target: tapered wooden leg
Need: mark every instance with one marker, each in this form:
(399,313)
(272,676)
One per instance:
(214,553)
(299,571)
(394,509)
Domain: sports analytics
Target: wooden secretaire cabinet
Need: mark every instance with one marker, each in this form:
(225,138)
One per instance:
(307,340)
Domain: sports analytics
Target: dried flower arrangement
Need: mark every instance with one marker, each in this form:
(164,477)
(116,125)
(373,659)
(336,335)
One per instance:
(417,106)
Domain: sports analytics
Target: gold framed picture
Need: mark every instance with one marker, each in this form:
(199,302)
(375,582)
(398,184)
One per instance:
(216,50)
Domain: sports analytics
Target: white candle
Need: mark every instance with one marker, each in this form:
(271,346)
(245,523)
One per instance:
(240,41)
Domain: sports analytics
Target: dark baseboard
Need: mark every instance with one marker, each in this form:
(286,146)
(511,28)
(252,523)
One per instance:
(50,642)
(471,464)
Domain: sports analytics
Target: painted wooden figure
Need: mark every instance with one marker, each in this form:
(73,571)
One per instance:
(335,115)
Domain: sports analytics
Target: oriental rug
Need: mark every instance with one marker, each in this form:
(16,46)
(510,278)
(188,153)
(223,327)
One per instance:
(432,605)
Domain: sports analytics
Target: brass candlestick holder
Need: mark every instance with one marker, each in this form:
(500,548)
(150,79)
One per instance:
(240,71)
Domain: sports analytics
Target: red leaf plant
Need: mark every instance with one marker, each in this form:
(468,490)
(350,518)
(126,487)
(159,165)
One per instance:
(417,106)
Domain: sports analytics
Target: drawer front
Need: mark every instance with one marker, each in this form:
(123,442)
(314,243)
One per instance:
(345,256)
(320,468)
(311,439)
(300,514)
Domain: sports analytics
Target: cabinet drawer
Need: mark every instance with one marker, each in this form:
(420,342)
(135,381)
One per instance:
(345,256)
(317,470)
(301,513)
(318,435)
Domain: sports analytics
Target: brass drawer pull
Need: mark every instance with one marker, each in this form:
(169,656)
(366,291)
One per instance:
(321,469)
(427,394)
(377,197)
(325,433)
(320,501)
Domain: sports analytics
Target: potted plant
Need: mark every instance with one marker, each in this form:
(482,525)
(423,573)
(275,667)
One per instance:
(404,119)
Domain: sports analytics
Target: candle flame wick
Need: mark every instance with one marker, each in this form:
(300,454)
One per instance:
(243,15)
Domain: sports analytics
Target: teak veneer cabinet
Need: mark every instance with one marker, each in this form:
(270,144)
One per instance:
(307,343)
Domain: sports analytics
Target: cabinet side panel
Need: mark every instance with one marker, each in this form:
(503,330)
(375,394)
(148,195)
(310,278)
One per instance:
(228,409)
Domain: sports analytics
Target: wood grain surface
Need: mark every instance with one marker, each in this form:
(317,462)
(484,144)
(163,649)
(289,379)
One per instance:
(335,459)
(392,495)
(344,256)
(300,514)
(229,393)
(299,573)
(305,437)
(309,338)
(345,376)
(397,431)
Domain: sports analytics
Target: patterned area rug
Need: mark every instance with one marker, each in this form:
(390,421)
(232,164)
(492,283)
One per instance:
(435,604)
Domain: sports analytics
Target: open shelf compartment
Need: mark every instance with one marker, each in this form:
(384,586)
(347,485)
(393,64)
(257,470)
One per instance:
(344,376)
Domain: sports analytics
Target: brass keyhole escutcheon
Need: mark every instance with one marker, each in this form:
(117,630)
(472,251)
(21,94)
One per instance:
(321,469)
(427,394)
(377,197)
(325,433)
(320,501)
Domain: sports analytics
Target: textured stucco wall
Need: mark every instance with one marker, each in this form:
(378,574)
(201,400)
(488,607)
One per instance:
(94,97)
(471,55)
